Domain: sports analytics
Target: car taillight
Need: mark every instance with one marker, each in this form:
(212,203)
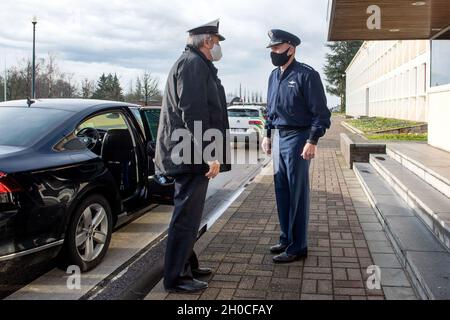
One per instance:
(255,122)
(8,185)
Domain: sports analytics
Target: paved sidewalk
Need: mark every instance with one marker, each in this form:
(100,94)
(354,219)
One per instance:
(345,238)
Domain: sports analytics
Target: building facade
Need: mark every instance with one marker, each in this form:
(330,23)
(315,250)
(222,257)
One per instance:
(403,79)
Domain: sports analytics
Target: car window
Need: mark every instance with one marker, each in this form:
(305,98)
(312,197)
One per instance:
(113,120)
(22,127)
(137,116)
(152,118)
(243,113)
(101,123)
(70,143)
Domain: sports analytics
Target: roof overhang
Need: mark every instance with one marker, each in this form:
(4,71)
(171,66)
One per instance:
(399,20)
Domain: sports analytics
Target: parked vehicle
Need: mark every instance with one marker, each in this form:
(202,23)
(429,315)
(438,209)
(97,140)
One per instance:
(247,124)
(70,172)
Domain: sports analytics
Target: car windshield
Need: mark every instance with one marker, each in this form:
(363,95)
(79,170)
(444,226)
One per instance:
(243,113)
(22,127)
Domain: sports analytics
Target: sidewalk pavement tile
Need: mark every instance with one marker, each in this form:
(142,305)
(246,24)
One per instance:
(397,293)
(386,260)
(345,237)
(394,278)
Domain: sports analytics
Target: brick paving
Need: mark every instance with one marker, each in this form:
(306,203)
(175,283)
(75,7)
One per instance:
(237,247)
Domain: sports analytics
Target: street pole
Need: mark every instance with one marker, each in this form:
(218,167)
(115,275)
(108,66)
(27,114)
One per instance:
(33,93)
(5,86)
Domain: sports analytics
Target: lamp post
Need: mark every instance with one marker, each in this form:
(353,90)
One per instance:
(5,84)
(33,93)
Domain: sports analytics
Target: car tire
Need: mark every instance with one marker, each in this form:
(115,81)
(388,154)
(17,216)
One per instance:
(88,234)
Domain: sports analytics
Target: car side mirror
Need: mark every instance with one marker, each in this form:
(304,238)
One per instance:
(113,116)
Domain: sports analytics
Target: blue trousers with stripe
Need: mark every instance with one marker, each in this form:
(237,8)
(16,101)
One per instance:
(292,188)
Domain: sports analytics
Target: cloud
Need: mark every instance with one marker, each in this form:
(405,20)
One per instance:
(92,37)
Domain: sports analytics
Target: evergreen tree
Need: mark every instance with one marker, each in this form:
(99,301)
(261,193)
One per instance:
(2,90)
(108,88)
(342,53)
(102,88)
(116,90)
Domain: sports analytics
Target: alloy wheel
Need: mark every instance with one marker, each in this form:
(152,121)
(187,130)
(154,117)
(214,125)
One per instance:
(91,232)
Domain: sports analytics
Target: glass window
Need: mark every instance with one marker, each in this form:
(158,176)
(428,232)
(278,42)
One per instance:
(22,127)
(243,113)
(101,124)
(440,62)
(92,132)
(138,117)
(152,118)
(70,143)
(106,121)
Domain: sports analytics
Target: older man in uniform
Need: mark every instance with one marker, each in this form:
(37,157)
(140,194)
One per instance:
(299,114)
(194,97)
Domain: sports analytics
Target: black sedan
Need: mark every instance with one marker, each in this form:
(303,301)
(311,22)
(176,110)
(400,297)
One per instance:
(70,170)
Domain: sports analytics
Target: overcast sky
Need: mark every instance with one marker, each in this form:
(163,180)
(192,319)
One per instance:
(127,37)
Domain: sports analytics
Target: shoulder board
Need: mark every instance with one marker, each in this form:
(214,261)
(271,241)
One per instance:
(307,66)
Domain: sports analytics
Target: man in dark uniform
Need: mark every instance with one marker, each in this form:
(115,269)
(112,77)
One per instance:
(298,117)
(194,97)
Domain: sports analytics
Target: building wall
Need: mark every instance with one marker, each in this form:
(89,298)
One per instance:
(389,79)
(439,118)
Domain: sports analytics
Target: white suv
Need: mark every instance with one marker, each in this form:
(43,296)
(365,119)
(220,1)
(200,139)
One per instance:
(246,124)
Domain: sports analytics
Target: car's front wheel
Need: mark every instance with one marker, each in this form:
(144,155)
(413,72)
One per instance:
(89,233)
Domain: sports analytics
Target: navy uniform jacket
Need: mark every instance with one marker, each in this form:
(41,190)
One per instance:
(297,99)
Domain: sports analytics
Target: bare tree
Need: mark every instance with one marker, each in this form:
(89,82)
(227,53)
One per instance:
(46,79)
(87,88)
(145,90)
(149,88)
(50,82)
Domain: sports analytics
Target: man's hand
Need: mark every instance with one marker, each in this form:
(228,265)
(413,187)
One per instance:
(309,152)
(267,145)
(214,169)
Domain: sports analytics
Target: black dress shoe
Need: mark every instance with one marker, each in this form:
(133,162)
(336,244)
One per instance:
(287,258)
(279,248)
(201,272)
(188,286)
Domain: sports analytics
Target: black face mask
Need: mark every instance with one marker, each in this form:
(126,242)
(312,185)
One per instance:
(280,59)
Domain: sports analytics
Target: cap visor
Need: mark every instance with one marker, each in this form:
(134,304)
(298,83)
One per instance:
(221,37)
(274,43)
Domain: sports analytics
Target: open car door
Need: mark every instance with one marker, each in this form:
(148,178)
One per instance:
(161,188)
